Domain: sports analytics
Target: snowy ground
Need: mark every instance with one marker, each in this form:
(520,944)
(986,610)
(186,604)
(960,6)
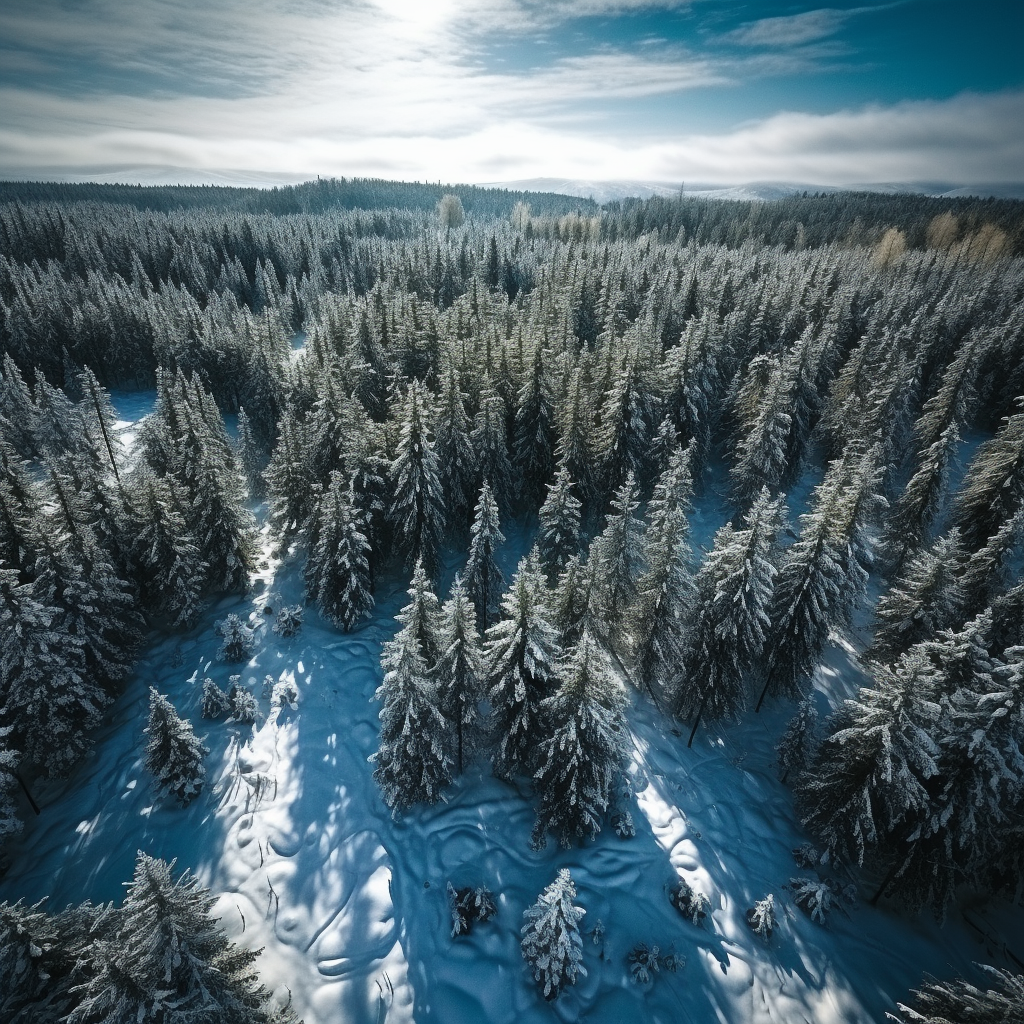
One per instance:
(350,905)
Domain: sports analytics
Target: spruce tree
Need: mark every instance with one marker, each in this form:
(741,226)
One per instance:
(551,941)
(571,601)
(521,650)
(735,589)
(252,460)
(174,756)
(169,959)
(238,639)
(534,442)
(490,441)
(459,671)
(417,509)
(412,764)
(338,569)
(585,748)
(942,1002)
(456,457)
(558,538)
(797,744)
(10,823)
(615,558)
(483,578)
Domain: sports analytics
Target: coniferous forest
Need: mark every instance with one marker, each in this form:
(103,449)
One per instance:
(684,527)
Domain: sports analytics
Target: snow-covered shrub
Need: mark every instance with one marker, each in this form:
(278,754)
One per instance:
(239,639)
(690,903)
(216,702)
(673,962)
(597,932)
(174,754)
(284,694)
(807,856)
(813,896)
(469,905)
(551,941)
(761,917)
(288,621)
(244,706)
(622,825)
(644,961)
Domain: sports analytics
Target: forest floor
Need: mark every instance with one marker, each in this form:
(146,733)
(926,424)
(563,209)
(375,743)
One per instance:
(293,838)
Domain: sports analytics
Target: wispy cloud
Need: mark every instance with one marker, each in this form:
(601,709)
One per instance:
(796,29)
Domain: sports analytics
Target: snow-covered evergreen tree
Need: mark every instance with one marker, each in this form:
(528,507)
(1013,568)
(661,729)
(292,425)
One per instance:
(623,439)
(574,447)
(870,774)
(456,456)
(288,621)
(585,747)
(762,917)
(164,554)
(615,559)
(215,701)
(338,567)
(570,602)
(551,943)
(735,588)
(521,650)
(665,589)
(490,441)
(412,764)
(483,579)
(534,443)
(252,459)
(417,509)
(169,959)
(174,755)
(558,538)
(238,639)
(796,747)
(459,671)
(48,698)
(943,1002)
(10,823)
(925,600)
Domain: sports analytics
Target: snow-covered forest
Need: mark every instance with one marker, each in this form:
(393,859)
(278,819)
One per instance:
(498,607)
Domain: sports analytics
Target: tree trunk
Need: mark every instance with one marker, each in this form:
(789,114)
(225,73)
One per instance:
(696,722)
(889,876)
(21,782)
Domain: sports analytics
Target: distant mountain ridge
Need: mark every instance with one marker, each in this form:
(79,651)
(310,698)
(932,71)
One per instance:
(610,191)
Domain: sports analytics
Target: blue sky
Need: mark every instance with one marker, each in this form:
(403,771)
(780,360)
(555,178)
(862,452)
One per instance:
(488,90)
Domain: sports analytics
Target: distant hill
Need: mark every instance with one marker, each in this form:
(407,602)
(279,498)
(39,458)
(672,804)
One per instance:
(611,191)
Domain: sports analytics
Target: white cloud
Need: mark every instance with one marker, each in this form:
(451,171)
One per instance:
(790,30)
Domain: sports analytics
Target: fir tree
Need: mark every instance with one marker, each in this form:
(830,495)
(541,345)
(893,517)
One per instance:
(290,479)
(483,578)
(796,747)
(10,823)
(623,440)
(551,941)
(735,588)
(417,510)
(573,450)
(558,538)
(615,557)
(943,1002)
(252,459)
(534,443)
(456,457)
(173,753)
(570,603)
(169,959)
(490,441)
(459,671)
(412,763)
(215,701)
(338,569)
(239,640)
(521,650)
(585,748)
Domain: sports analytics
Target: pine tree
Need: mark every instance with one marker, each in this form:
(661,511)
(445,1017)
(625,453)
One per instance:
(164,555)
(169,959)
(735,589)
(797,744)
(456,457)
(615,557)
(924,601)
(574,447)
(417,510)
(483,578)
(412,762)
(570,603)
(558,538)
(665,589)
(239,640)
(459,672)
(994,487)
(290,480)
(521,650)
(490,441)
(823,573)
(252,460)
(173,753)
(942,1002)
(215,701)
(871,773)
(585,747)
(338,568)
(534,443)
(623,441)
(10,823)
(551,941)
(48,699)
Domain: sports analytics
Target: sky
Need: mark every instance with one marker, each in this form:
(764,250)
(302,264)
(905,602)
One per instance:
(713,91)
